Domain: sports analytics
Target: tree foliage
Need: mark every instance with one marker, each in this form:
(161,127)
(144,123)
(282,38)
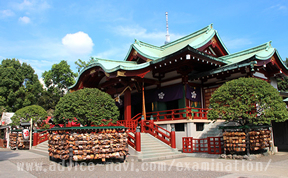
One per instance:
(19,85)
(59,78)
(90,106)
(247,101)
(82,64)
(37,113)
(48,100)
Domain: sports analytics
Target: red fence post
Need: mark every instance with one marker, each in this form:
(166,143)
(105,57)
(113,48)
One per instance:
(35,138)
(173,138)
(138,139)
(142,124)
(209,145)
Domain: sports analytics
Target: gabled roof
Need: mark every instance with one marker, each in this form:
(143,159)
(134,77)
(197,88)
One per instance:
(195,40)
(244,58)
(261,52)
(112,65)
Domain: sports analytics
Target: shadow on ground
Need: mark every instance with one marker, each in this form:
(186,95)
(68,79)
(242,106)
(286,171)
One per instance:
(5,155)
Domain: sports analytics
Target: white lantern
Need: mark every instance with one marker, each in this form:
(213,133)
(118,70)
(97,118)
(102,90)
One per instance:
(25,134)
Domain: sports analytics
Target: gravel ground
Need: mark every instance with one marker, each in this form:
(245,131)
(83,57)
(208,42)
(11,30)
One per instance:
(130,168)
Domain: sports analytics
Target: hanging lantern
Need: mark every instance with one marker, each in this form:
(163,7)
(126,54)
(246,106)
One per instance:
(25,134)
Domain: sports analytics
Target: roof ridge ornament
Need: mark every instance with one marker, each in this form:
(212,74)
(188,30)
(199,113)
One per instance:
(137,42)
(268,45)
(209,28)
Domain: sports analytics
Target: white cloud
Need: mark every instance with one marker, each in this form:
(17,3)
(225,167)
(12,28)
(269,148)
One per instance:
(24,19)
(32,5)
(278,7)
(157,38)
(115,53)
(6,13)
(78,43)
(25,4)
(41,80)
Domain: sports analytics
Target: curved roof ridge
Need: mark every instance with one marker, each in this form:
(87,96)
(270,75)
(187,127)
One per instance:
(221,41)
(265,46)
(194,34)
(110,60)
(141,43)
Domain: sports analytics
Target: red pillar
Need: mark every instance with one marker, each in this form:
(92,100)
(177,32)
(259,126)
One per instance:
(143,102)
(127,105)
(35,138)
(138,140)
(173,138)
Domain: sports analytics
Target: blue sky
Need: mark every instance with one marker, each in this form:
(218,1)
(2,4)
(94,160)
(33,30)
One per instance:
(42,33)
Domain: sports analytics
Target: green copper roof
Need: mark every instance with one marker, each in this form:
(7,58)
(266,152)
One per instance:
(87,128)
(195,40)
(241,59)
(245,127)
(112,65)
(222,69)
(191,43)
(262,52)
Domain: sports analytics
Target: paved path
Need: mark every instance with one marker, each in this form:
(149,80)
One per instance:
(28,164)
(264,167)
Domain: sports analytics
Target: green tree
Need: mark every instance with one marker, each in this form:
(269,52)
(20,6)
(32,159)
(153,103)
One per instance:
(82,64)
(48,100)
(59,78)
(89,106)
(19,85)
(37,113)
(247,101)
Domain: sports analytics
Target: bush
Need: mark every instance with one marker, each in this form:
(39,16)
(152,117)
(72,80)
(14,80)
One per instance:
(247,101)
(37,113)
(90,106)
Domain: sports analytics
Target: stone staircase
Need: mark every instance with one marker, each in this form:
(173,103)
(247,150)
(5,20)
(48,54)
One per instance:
(41,148)
(213,131)
(153,149)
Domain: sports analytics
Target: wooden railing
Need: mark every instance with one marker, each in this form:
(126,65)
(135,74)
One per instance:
(39,137)
(131,140)
(211,145)
(157,131)
(179,114)
(131,124)
(43,136)
(167,115)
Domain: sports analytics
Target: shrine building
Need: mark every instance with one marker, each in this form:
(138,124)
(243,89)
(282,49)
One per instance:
(172,84)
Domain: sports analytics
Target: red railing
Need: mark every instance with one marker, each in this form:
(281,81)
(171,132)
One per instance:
(43,136)
(215,145)
(158,132)
(131,140)
(148,126)
(131,124)
(211,145)
(40,137)
(167,115)
(178,114)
